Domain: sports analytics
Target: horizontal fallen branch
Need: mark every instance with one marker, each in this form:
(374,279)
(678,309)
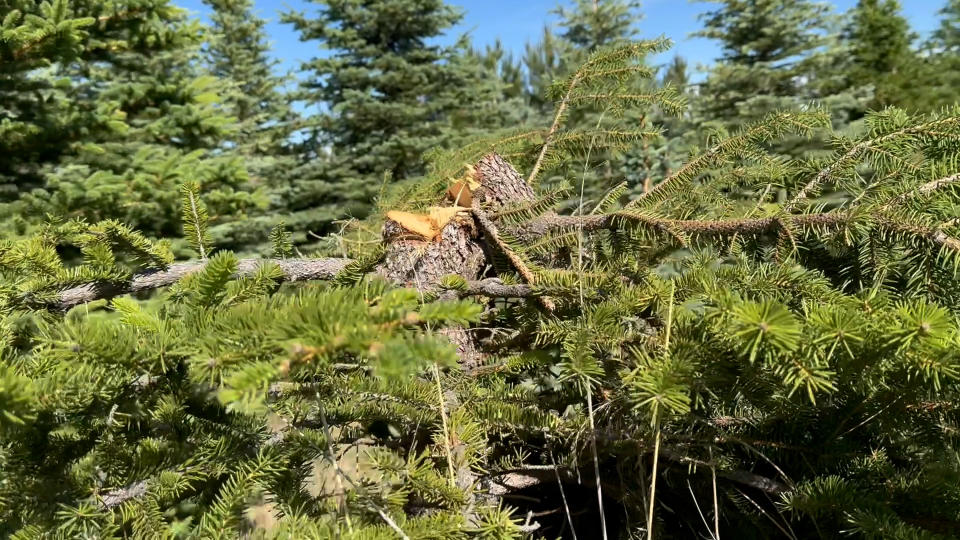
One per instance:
(119,496)
(293,270)
(727,227)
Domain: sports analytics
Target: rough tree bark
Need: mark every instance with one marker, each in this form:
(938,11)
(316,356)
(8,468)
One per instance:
(460,249)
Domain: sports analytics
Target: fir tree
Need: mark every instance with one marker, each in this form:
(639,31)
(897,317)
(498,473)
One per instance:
(502,94)
(585,26)
(389,95)
(880,52)
(238,53)
(146,120)
(766,45)
(36,126)
(657,157)
(677,73)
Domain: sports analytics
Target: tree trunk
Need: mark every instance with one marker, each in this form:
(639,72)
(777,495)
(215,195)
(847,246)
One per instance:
(461,248)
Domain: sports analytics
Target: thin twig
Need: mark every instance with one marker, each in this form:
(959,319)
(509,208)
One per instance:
(563,495)
(767,515)
(716,507)
(653,482)
(596,463)
(871,417)
(340,474)
(443,419)
(697,504)
(657,419)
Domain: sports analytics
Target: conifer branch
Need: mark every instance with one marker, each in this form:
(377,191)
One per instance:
(552,222)
(293,270)
(195,219)
(557,119)
(851,155)
(493,287)
(119,496)
(724,227)
(491,231)
(742,143)
(926,189)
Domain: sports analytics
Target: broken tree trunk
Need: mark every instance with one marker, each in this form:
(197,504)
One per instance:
(462,248)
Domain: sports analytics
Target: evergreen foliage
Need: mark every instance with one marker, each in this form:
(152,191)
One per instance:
(763,43)
(590,25)
(388,93)
(881,52)
(115,123)
(545,61)
(947,35)
(740,320)
(584,28)
(796,358)
(777,55)
(34,130)
(239,54)
(942,56)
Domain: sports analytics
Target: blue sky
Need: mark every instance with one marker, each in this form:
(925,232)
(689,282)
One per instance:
(517,21)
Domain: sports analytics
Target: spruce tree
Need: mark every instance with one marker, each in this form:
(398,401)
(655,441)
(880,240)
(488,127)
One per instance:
(502,94)
(238,54)
(765,46)
(592,24)
(881,54)
(145,119)
(388,95)
(36,124)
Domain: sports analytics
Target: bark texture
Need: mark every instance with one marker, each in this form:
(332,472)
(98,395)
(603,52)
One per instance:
(293,270)
(501,184)
(462,246)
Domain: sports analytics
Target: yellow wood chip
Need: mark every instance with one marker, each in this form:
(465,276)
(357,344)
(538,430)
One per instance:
(427,226)
(461,194)
(415,223)
(442,215)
